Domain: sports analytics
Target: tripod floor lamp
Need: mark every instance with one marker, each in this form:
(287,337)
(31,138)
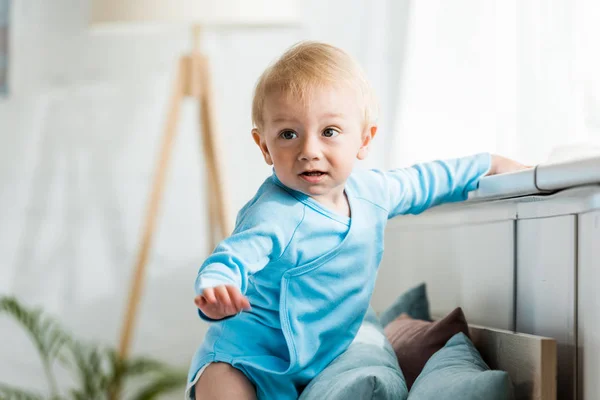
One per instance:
(192,80)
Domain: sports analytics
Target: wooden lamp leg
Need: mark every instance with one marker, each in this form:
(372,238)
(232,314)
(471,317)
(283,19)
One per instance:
(153,206)
(218,197)
(201,89)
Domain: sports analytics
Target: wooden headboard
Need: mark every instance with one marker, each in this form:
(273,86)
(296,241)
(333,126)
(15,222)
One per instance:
(529,360)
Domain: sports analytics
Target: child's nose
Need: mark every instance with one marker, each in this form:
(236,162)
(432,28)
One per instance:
(311,149)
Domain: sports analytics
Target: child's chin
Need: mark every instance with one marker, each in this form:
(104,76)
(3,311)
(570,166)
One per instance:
(308,190)
(315,191)
(312,189)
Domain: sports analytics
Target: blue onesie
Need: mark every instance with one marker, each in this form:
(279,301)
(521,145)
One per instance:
(308,272)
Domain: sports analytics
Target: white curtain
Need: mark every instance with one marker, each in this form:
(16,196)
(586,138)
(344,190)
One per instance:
(519,78)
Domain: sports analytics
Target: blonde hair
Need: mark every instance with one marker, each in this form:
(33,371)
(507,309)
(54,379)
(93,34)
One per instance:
(305,66)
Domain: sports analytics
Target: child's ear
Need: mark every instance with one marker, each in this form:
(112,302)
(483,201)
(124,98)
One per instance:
(258,139)
(369,134)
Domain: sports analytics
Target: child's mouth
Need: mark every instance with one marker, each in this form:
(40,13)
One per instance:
(313,176)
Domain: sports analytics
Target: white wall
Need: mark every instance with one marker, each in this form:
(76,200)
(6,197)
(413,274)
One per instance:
(515,78)
(78,139)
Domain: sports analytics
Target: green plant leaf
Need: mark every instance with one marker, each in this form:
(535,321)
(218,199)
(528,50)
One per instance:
(145,365)
(46,334)
(91,366)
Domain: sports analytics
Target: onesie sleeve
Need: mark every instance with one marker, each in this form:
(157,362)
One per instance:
(413,190)
(261,236)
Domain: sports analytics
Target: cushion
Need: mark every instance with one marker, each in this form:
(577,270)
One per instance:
(457,371)
(368,369)
(412,302)
(414,341)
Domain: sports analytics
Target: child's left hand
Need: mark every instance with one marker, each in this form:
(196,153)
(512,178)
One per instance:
(503,165)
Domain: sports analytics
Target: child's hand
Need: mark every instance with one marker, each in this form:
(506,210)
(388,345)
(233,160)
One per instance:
(221,301)
(502,165)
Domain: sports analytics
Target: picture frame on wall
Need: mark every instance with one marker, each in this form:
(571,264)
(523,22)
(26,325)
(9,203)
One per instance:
(4,32)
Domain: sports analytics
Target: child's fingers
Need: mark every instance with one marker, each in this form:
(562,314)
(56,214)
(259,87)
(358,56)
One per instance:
(223,296)
(221,301)
(209,295)
(235,295)
(240,301)
(199,301)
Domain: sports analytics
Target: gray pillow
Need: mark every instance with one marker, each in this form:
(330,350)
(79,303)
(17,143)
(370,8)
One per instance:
(413,302)
(368,369)
(457,371)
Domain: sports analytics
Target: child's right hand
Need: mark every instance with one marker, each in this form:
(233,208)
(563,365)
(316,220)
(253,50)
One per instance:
(221,301)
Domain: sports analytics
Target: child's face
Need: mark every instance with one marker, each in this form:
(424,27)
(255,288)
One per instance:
(314,144)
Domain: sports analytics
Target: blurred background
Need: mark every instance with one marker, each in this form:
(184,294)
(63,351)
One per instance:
(82,112)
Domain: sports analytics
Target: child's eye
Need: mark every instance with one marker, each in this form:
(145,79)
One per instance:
(330,132)
(288,135)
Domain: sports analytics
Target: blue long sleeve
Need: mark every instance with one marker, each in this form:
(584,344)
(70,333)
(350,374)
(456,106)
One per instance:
(246,251)
(255,242)
(413,190)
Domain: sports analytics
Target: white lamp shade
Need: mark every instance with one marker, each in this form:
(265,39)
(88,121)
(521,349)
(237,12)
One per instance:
(201,12)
